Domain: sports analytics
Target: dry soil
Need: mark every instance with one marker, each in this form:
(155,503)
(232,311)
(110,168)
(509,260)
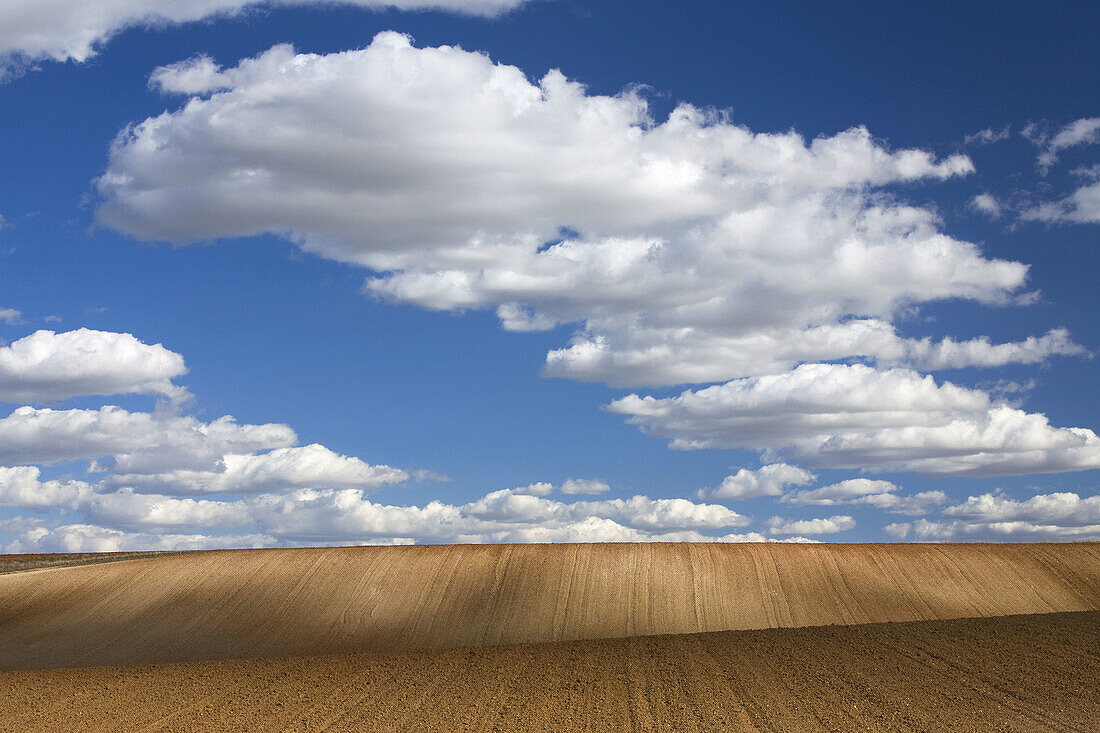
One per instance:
(1014,673)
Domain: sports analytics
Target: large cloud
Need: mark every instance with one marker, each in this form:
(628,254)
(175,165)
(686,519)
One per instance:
(140,441)
(47,366)
(855,416)
(310,466)
(31,30)
(690,249)
(21,486)
(346,515)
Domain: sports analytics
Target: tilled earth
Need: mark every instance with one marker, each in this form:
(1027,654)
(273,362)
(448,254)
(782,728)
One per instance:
(1013,673)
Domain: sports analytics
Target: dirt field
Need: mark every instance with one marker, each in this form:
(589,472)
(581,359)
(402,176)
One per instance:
(1016,673)
(260,603)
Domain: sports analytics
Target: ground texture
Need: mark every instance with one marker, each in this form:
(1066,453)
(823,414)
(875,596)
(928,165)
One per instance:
(262,603)
(558,638)
(1015,673)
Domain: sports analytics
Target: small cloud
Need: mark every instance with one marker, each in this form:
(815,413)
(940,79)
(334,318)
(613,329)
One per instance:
(826,525)
(584,486)
(52,319)
(987,136)
(11,316)
(988,205)
(426,475)
(541,488)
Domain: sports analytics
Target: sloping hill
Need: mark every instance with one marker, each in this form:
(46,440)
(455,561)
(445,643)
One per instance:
(1015,673)
(247,603)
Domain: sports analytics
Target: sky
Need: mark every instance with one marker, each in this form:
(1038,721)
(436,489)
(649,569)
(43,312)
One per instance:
(303,273)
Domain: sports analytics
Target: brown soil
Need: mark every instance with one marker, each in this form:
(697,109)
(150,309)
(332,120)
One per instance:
(262,603)
(1015,673)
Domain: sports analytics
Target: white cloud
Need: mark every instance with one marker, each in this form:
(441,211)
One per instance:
(127,509)
(842,492)
(870,492)
(10,316)
(988,205)
(311,466)
(993,516)
(540,488)
(639,512)
(140,441)
(987,136)
(1064,508)
(61,30)
(47,366)
(840,416)
(827,525)
(584,486)
(20,486)
(345,515)
(1085,131)
(1080,207)
(92,538)
(768,480)
(697,251)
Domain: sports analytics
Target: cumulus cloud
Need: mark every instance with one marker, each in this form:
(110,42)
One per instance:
(139,441)
(62,30)
(92,538)
(1063,508)
(827,525)
(1080,207)
(309,515)
(47,367)
(855,416)
(310,466)
(639,512)
(20,486)
(10,316)
(869,492)
(584,486)
(689,249)
(768,480)
(988,205)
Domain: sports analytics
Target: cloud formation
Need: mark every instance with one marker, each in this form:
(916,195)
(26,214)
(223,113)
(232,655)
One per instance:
(993,516)
(868,492)
(768,480)
(855,416)
(74,30)
(50,367)
(826,525)
(689,250)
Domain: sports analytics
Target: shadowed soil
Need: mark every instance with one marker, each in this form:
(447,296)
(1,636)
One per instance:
(263,603)
(1015,673)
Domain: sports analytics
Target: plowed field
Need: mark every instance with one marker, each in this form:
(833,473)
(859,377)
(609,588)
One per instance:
(1015,673)
(263,603)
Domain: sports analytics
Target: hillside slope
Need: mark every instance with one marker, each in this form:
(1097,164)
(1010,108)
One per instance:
(247,603)
(1016,673)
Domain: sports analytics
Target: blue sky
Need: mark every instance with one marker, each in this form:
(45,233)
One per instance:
(361,247)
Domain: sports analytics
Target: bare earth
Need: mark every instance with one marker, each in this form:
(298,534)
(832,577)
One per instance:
(599,637)
(1015,673)
(262,603)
